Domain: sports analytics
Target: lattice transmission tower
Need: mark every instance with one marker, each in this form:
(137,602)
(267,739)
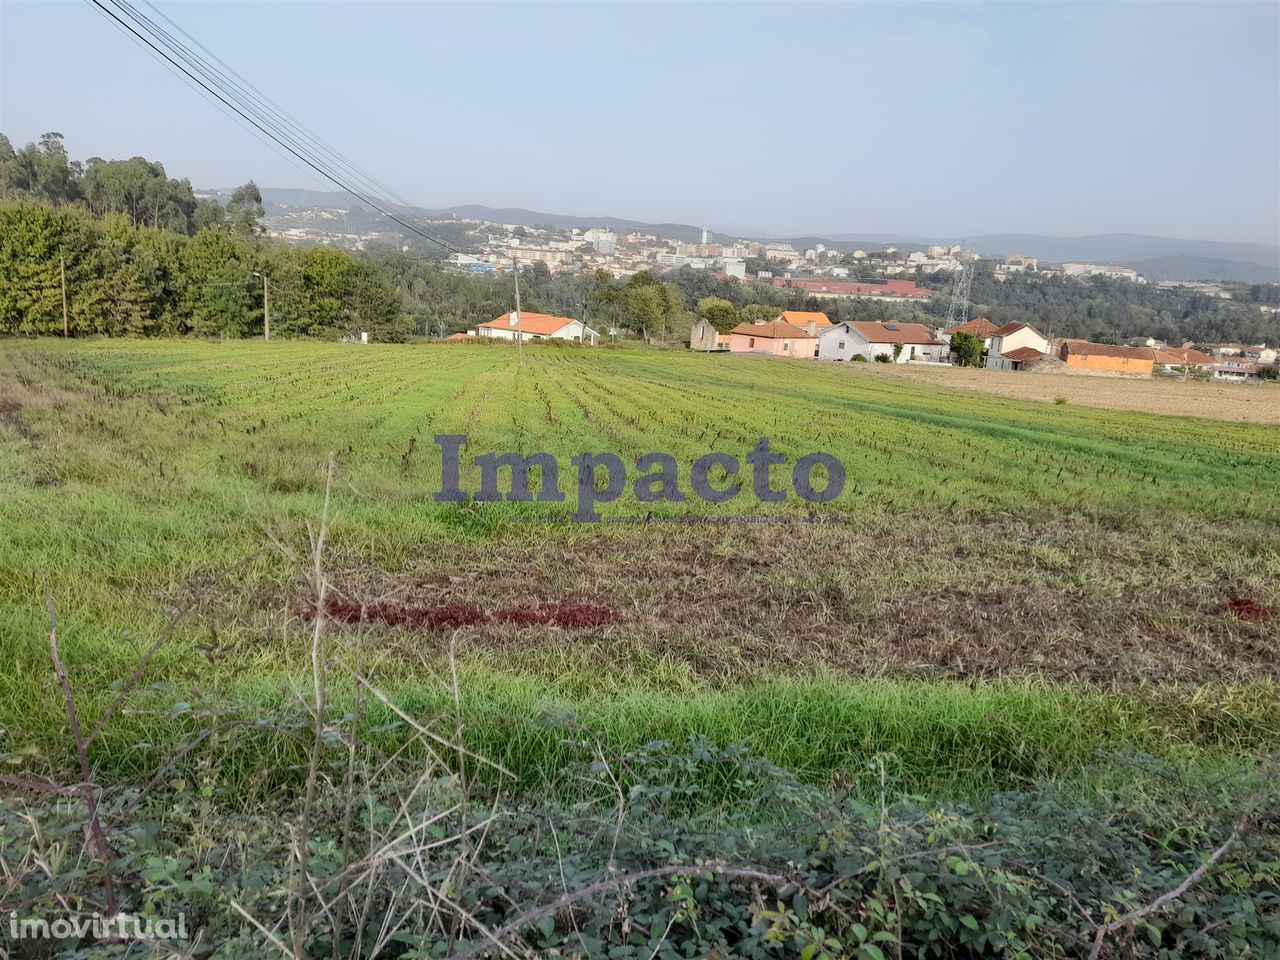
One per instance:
(958,312)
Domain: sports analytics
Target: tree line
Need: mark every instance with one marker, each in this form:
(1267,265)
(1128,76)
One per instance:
(118,248)
(124,279)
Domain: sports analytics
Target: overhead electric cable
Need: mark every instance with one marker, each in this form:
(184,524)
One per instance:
(341,172)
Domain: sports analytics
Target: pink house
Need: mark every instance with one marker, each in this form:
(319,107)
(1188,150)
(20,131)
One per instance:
(777,337)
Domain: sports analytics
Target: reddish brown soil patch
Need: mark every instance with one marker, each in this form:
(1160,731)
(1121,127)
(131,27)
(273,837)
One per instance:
(559,613)
(1244,609)
(1004,598)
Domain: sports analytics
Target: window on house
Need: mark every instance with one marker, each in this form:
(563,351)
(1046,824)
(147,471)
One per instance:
(751,341)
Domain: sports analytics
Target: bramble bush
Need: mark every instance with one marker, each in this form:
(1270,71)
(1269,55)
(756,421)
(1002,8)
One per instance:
(644,864)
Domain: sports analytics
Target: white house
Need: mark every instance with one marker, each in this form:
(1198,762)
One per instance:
(980,327)
(536,326)
(1012,337)
(1236,371)
(1260,353)
(846,340)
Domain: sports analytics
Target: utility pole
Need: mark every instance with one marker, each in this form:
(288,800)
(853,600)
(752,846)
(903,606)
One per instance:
(515,267)
(266,307)
(66,326)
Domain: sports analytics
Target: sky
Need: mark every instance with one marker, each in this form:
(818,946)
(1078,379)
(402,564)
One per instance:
(784,118)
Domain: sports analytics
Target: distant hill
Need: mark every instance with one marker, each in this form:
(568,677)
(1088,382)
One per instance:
(1126,248)
(1206,268)
(1162,258)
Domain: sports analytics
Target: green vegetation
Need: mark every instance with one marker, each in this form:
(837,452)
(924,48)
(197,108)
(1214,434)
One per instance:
(1023,653)
(967,350)
(134,472)
(123,279)
(1109,311)
(777,869)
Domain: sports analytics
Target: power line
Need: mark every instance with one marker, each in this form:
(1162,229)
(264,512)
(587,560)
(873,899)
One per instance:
(252,99)
(291,120)
(287,131)
(227,92)
(222,108)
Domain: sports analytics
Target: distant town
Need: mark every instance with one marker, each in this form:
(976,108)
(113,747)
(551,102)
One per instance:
(875,273)
(884,274)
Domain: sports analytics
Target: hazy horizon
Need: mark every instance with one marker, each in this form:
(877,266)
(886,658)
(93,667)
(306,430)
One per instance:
(787,119)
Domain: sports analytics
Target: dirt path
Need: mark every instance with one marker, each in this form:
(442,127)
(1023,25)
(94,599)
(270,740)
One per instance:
(1256,403)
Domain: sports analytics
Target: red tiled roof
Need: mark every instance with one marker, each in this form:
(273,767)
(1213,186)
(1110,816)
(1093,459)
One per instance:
(1182,355)
(1023,354)
(904,333)
(542,324)
(457,338)
(802,318)
(773,330)
(979,327)
(1009,328)
(1087,349)
(890,288)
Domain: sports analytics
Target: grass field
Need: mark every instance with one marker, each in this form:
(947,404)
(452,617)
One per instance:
(1003,589)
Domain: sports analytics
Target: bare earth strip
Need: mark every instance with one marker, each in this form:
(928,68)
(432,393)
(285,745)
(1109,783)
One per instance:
(1253,403)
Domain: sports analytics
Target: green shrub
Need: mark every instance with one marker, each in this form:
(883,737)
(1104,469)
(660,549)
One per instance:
(786,870)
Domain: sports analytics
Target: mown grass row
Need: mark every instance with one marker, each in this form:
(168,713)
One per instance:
(127,470)
(942,737)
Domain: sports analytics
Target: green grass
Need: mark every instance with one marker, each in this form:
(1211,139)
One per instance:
(130,472)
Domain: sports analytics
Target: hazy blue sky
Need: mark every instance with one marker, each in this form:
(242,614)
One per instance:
(909,118)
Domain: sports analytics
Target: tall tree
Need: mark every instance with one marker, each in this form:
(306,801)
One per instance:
(245,210)
(720,313)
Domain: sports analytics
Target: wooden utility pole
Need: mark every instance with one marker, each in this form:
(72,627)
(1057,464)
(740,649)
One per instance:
(515,266)
(66,324)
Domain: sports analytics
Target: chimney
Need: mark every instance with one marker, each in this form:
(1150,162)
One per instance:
(813,328)
(513,318)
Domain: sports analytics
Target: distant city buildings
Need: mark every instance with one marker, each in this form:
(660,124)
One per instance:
(1073,269)
(823,269)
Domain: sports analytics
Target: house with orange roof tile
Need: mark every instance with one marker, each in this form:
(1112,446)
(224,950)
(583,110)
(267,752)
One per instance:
(1181,359)
(813,321)
(527,326)
(775,337)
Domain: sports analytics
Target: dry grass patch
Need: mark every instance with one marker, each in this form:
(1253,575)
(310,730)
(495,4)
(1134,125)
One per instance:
(1253,403)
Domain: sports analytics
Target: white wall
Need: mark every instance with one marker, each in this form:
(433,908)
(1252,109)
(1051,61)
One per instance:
(839,343)
(570,331)
(1026,337)
(829,347)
